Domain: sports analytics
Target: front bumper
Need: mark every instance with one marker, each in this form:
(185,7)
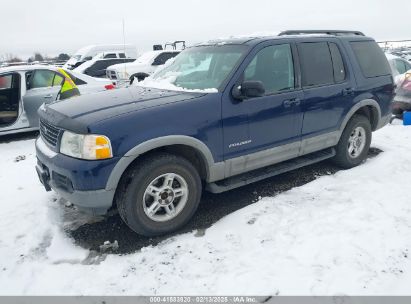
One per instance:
(80,182)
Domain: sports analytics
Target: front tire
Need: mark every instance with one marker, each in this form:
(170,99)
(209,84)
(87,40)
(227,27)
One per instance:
(159,195)
(352,149)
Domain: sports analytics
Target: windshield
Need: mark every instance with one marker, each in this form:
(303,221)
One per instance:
(198,68)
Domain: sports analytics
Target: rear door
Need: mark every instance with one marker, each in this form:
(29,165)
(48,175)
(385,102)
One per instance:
(43,86)
(328,92)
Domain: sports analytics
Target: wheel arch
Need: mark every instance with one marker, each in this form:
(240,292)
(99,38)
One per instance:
(188,147)
(139,74)
(367,107)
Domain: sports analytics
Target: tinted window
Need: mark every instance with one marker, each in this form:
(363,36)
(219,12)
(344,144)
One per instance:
(163,57)
(371,58)
(42,79)
(338,64)
(99,67)
(273,66)
(122,55)
(110,56)
(316,64)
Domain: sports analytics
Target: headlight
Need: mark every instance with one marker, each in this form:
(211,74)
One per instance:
(87,146)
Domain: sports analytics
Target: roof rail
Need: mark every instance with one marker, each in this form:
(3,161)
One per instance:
(328,32)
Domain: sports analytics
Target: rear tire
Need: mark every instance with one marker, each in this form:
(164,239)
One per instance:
(352,149)
(159,195)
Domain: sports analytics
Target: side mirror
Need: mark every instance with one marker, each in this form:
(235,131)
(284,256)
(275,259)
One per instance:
(248,89)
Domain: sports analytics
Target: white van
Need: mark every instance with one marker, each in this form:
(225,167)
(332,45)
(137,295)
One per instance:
(87,53)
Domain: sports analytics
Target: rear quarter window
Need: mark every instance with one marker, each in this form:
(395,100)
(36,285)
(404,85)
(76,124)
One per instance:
(371,58)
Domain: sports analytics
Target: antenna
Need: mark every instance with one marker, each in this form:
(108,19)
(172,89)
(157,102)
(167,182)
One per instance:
(124,47)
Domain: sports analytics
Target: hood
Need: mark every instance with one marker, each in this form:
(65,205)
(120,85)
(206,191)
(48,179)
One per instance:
(78,113)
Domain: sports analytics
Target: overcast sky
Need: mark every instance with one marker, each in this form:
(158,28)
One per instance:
(52,26)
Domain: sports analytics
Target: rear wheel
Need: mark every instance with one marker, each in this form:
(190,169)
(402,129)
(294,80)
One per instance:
(159,195)
(352,149)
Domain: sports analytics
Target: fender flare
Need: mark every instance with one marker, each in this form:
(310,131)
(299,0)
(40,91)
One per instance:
(356,107)
(159,142)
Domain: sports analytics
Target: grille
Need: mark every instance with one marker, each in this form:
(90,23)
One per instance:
(49,133)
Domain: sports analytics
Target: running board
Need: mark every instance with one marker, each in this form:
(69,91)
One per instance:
(266,172)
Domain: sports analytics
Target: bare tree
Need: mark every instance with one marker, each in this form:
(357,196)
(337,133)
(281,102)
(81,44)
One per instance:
(38,57)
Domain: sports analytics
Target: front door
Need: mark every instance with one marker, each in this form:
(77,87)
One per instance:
(264,130)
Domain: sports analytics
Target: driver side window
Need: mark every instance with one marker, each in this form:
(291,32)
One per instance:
(274,67)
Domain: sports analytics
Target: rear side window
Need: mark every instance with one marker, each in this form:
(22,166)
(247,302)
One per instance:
(111,55)
(338,63)
(316,64)
(42,79)
(371,58)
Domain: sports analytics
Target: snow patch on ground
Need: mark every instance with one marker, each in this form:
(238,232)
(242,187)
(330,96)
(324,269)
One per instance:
(347,233)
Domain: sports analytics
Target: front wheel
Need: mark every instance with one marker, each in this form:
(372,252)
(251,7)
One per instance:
(159,195)
(352,149)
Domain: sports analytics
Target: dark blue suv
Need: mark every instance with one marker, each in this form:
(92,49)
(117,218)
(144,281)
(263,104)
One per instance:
(223,114)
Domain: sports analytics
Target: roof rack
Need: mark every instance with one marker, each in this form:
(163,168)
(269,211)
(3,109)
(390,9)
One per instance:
(328,32)
(174,44)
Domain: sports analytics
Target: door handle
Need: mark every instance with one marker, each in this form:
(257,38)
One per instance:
(48,96)
(291,102)
(348,91)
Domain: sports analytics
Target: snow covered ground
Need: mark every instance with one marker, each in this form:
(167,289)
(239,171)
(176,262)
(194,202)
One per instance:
(347,233)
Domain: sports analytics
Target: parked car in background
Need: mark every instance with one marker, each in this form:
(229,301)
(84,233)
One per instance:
(87,53)
(223,114)
(24,89)
(399,66)
(144,66)
(97,66)
(402,99)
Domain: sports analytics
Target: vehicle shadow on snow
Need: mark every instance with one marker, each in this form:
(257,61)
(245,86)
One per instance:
(4,139)
(212,208)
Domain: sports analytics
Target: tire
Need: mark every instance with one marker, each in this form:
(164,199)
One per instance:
(347,156)
(148,183)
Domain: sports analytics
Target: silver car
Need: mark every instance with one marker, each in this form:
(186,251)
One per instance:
(24,89)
